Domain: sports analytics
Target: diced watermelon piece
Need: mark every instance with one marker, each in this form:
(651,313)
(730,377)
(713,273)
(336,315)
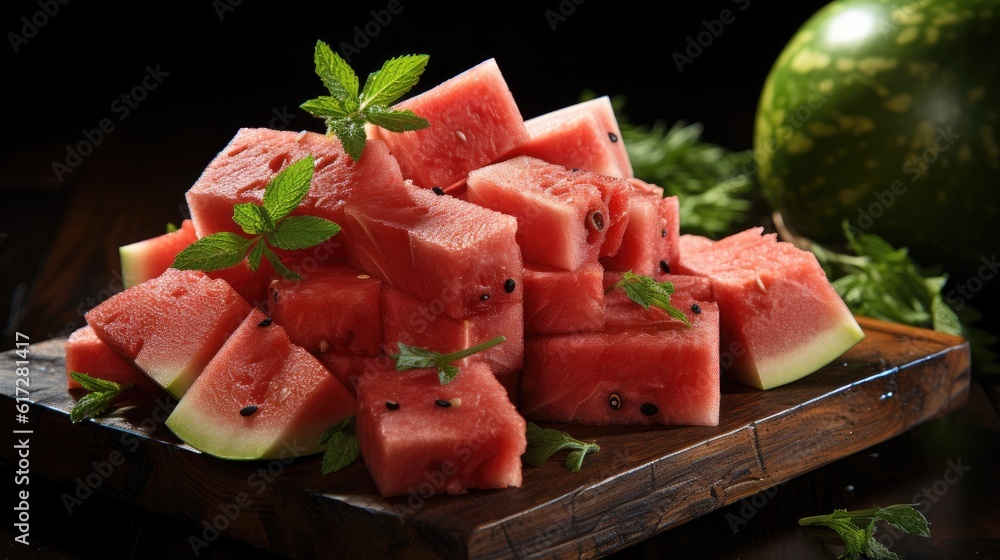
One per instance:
(255,155)
(562,301)
(261,397)
(565,218)
(413,322)
(439,249)
(85,353)
(473,121)
(170,326)
(667,375)
(585,135)
(623,313)
(335,307)
(649,246)
(348,368)
(148,258)
(412,444)
(779,311)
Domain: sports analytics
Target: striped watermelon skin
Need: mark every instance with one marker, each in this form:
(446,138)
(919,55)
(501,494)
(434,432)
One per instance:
(886,114)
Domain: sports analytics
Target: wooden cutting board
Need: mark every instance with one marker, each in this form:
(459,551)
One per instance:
(644,480)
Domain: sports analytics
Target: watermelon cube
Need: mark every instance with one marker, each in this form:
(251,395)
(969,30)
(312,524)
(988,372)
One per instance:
(334,307)
(420,437)
(562,301)
(623,313)
(779,311)
(413,322)
(565,217)
(662,374)
(261,397)
(170,326)
(239,173)
(439,249)
(473,121)
(649,246)
(585,135)
(86,353)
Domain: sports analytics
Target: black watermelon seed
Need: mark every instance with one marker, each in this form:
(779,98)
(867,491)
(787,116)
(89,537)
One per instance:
(442,403)
(663,233)
(695,308)
(615,401)
(248,410)
(648,409)
(392,405)
(575,169)
(665,267)
(509,285)
(613,136)
(595,220)
(484,297)
(438,191)
(265,323)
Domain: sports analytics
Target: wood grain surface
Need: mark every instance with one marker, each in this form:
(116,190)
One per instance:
(643,481)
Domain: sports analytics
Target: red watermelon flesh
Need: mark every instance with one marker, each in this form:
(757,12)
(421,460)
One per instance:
(411,444)
(649,246)
(689,244)
(348,368)
(473,121)
(255,155)
(584,135)
(170,326)
(565,218)
(425,325)
(562,301)
(85,353)
(295,398)
(623,313)
(439,249)
(632,376)
(148,258)
(779,311)
(335,307)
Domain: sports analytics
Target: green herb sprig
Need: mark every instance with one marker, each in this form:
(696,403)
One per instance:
(645,291)
(412,357)
(341,443)
(346,112)
(857,528)
(269,224)
(543,443)
(102,394)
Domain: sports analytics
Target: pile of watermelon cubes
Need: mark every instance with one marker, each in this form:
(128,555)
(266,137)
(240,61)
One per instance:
(481,225)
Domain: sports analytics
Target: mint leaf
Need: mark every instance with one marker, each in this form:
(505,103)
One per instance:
(252,218)
(287,189)
(905,518)
(325,106)
(396,121)
(213,252)
(171,227)
(279,266)
(341,446)
(351,133)
(336,73)
(253,258)
(102,394)
(394,79)
(300,232)
(858,541)
(646,292)
(543,443)
(412,357)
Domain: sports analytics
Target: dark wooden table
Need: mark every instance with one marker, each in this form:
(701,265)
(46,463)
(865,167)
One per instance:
(60,232)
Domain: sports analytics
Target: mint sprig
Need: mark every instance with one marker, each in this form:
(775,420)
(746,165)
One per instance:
(102,394)
(412,357)
(857,528)
(269,223)
(341,446)
(645,291)
(345,111)
(543,443)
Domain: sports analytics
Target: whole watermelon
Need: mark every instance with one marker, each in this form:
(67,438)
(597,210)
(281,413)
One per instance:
(887,114)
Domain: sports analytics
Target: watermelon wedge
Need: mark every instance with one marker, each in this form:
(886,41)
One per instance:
(148,258)
(585,135)
(778,308)
(562,301)
(420,437)
(440,250)
(261,397)
(170,326)
(662,374)
(86,353)
(473,121)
